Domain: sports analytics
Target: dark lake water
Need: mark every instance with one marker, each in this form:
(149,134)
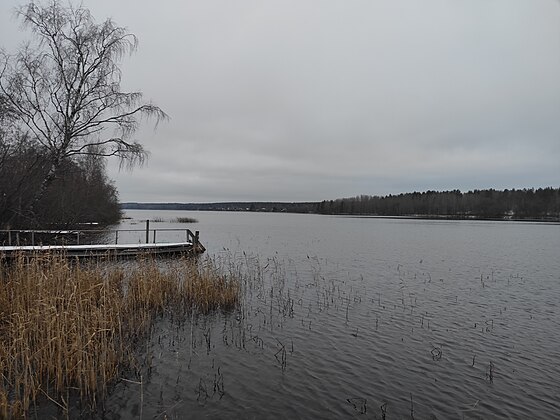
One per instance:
(362,318)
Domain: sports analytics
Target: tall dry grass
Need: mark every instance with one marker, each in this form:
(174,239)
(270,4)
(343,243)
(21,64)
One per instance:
(69,330)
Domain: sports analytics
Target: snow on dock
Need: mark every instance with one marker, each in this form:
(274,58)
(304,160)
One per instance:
(119,250)
(28,247)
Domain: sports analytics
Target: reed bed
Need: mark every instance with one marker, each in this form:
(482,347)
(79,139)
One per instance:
(186,220)
(69,331)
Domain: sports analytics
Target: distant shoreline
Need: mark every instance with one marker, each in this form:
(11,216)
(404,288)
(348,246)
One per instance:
(310,208)
(529,205)
(454,218)
(287,207)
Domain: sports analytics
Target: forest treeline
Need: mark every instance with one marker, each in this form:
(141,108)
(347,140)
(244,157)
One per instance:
(541,204)
(80,194)
(536,204)
(262,206)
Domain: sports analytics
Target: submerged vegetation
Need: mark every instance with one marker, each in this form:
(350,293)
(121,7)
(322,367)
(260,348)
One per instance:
(70,331)
(186,220)
(175,220)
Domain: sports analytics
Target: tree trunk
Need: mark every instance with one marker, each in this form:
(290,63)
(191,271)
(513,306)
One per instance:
(45,184)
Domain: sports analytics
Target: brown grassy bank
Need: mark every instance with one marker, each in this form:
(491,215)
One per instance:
(68,329)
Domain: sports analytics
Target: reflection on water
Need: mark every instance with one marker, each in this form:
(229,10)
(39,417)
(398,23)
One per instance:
(373,318)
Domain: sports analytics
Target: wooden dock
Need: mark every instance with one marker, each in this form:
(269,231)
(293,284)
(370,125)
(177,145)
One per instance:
(23,242)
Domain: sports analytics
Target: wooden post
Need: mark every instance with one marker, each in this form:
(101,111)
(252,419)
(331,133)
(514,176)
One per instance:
(10,237)
(147,230)
(116,237)
(154,236)
(32,237)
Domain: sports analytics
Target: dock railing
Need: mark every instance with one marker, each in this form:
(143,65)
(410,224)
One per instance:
(22,237)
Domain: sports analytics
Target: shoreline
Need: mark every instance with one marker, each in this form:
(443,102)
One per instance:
(451,218)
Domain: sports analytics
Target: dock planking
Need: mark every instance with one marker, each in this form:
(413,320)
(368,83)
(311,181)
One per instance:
(191,246)
(119,251)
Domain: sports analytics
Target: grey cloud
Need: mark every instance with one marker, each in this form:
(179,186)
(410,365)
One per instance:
(307,100)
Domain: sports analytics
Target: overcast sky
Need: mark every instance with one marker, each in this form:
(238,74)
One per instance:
(310,100)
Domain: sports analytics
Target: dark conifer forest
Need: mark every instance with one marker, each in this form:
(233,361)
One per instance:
(538,204)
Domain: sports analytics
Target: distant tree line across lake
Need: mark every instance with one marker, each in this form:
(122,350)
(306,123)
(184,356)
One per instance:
(538,204)
(267,206)
(541,204)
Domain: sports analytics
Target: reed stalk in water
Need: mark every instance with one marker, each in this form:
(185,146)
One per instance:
(72,329)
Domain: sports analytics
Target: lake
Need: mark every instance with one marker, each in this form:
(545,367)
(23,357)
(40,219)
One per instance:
(347,317)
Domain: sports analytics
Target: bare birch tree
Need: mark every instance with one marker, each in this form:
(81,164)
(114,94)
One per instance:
(65,87)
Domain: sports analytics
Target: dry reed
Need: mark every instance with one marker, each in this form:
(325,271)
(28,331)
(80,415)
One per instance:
(69,329)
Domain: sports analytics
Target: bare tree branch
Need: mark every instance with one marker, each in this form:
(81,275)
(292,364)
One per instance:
(65,86)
